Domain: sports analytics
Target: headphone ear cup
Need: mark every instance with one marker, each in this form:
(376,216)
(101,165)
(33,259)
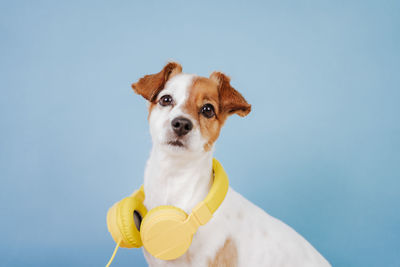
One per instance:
(164,233)
(123,221)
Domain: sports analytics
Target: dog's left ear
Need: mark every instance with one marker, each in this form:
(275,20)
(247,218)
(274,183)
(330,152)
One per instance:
(150,85)
(231,101)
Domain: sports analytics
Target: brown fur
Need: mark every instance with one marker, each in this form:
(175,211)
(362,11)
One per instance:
(231,101)
(205,91)
(188,258)
(150,85)
(217,91)
(226,256)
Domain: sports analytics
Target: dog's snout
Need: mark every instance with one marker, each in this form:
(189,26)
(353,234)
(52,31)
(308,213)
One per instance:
(181,126)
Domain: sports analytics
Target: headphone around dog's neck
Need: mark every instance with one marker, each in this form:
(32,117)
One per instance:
(166,232)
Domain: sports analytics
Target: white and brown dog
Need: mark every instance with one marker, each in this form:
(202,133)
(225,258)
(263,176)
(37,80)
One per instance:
(186,113)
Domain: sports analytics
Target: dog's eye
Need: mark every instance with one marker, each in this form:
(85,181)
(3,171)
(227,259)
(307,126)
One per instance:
(208,111)
(165,100)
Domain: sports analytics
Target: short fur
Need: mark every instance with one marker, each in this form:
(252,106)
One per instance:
(240,233)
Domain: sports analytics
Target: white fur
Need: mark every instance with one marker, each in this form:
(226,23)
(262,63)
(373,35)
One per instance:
(182,177)
(161,117)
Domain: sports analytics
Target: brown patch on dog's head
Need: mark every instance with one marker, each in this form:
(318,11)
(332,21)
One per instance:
(231,101)
(150,85)
(225,100)
(205,91)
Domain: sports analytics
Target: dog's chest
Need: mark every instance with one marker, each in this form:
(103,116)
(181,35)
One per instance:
(208,242)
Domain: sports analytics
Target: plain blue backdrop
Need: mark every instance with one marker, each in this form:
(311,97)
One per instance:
(320,150)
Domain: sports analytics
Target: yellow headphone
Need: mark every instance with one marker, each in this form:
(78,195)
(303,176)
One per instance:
(166,232)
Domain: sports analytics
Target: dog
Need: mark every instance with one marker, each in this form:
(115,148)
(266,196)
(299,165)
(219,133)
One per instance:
(186,113)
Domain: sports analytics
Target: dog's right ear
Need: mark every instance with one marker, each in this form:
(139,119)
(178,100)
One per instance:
(150,85)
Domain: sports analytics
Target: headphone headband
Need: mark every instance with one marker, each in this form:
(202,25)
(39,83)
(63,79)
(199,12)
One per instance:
(206,208)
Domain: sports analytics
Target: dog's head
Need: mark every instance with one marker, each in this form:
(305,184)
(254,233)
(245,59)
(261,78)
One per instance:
(186,111)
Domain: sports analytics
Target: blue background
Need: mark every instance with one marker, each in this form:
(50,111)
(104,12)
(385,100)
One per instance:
(320,150)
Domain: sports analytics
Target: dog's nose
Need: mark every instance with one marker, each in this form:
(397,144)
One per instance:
(181,126)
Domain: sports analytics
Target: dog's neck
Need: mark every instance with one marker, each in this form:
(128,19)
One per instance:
(178,179)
